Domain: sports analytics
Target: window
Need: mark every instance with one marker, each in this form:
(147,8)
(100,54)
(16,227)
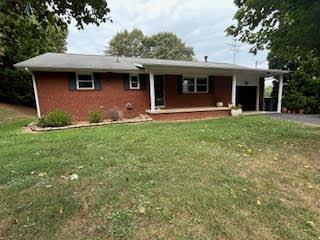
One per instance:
(134,82)
(195,85)
(188,85)
(85,81)
(202,85)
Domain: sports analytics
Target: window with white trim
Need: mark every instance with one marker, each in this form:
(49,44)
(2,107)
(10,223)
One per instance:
(195,85)
(85,81)
(134,82)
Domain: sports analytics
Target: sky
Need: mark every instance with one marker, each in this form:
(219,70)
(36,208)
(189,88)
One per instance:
(200,24)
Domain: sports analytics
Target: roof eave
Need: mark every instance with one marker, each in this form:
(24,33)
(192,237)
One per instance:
(68,69)
(264,72)
(267,72)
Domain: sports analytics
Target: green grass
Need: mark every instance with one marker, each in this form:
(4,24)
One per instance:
(234,178)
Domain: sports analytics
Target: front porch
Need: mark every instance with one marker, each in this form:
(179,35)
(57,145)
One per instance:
(197,113)
(175,95)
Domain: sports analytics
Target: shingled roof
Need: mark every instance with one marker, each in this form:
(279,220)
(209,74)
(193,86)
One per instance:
(67,62)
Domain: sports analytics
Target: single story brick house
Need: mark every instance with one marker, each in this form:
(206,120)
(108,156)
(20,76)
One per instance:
(163,89)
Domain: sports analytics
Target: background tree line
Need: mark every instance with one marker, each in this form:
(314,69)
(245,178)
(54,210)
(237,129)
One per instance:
(32,27)
(22,38)
(164,45)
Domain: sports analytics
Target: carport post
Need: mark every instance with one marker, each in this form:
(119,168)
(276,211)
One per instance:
(234,89)
(280,93)
(152,93)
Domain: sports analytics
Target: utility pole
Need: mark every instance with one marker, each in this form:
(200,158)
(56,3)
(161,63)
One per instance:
(235,48)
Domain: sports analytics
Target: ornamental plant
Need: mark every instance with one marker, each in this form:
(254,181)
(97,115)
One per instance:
(56,118)
(239,106)
(95,117)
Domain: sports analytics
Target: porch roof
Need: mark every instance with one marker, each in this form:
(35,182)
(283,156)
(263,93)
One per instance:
(99,63)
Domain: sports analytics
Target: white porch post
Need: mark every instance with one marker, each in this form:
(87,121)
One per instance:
(258,97)
(152,94)
(36,94)
(234,89)
(280,93)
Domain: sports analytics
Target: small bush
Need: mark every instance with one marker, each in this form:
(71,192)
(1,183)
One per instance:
(114,114)
(56,118)
(312,105)
(95,117)
(295,100)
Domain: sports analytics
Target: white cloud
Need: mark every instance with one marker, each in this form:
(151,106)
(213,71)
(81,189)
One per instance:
(200,23)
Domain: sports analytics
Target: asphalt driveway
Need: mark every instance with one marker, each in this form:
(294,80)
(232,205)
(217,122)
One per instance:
(303,118)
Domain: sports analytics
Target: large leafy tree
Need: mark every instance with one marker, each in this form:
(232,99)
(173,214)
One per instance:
(25,37)
(162,45)
(167,45)
(22,38)
(302,87)
(32,27)
(285,26)
(59,12)
(1,47)
(129,44)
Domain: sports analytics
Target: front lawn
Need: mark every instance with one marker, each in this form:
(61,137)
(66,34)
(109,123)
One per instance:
(234,178)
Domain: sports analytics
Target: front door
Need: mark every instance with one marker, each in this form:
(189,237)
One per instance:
(247,96)
(159,90)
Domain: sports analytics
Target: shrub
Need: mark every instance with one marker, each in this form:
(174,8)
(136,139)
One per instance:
(312,105)
(295,100)
(95,117)
(56,118)
(114,114)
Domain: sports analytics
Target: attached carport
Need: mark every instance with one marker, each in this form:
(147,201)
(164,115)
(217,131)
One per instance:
(248,88)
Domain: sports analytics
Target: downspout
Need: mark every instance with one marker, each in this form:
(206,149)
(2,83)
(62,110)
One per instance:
(35,92)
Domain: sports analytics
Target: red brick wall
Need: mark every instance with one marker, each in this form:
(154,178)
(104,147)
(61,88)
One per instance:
(222,89)
(53,91)
(190,115)
(221,92)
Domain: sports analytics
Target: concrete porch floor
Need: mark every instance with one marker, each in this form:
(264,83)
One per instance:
(258,112)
